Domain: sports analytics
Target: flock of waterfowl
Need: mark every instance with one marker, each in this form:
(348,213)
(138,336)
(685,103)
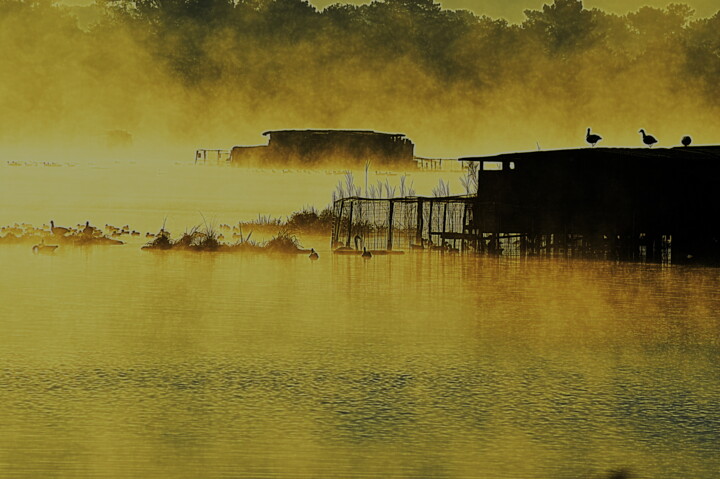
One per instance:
(49,237)
(592,138)
(78,235)
(36,163)
(81,234)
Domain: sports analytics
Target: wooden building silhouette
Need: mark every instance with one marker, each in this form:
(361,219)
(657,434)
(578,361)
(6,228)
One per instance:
(346,148)
(621,203)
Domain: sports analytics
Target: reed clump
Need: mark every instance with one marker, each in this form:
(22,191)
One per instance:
(309,221)
(161,241)
(207,240)
(285,243)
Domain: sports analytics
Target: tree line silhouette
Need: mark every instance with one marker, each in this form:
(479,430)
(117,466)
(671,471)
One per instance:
(453,46)
(256,50)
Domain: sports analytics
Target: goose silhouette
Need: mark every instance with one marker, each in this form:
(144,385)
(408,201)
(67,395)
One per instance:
(88,230)
(366,254)
(649,140)
(58,230)
(313,255)
(592,138)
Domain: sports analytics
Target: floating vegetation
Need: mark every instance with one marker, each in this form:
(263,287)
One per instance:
(208,240)
(161,241)
(199,238)
(308,221)
(267,220)
(284,242)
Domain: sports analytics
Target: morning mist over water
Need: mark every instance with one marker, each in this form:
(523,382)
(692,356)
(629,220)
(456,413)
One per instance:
(181,75)
(166,317)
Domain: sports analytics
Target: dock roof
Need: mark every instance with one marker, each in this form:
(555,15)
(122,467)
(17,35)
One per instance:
(330,132)
(702,152)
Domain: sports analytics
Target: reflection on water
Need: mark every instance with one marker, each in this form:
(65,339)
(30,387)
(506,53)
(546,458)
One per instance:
(120,363)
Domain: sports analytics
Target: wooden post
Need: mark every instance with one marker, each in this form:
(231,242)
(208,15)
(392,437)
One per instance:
(418,233)
(390,225)
(464,226)
(350,217)
(442,238)
(494,247)
(338,220)
(497,229)
(653,249)
(430,225)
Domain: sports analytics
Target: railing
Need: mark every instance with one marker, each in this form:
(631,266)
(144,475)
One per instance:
(218,156)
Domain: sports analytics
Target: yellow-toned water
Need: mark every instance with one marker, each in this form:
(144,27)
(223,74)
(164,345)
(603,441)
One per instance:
(122,363)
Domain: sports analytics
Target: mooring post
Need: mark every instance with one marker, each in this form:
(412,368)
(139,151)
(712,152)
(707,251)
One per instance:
(418,233)
(652,248)
(350,218)
(430,225)
(336,225)
(464,227)
(496,229)
(390,226)
(442,237)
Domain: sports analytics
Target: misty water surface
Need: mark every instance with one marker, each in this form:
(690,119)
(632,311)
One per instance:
(120,363)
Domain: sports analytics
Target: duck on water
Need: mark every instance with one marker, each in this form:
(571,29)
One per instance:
(42,248)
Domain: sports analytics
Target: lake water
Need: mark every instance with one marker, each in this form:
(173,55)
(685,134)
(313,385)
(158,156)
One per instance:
(122,363)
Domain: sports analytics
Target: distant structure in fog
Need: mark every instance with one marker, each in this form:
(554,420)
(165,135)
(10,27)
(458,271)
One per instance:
(118,139)
(332,147)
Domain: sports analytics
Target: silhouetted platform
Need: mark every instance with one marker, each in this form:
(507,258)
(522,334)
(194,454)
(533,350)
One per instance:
(630,195)
(618,203)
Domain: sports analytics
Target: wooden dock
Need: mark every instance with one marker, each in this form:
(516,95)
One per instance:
(616,203)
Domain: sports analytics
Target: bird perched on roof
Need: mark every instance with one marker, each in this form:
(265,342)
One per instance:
(686,140)
(649,140)
(592,138)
